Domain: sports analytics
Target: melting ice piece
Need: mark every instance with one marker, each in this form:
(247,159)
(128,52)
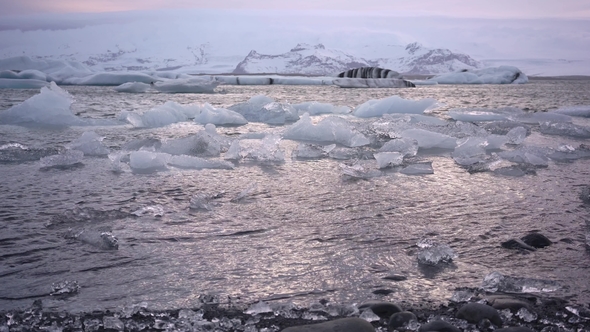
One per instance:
(219,116)
(393,104)
(462,296)
(527,155)
(205,143)
(97,238)
(65,288)
(258,308)
(569,153)
(473,115)
(132,87)
(342,153)
(148,162)
(332,129)
(565,129)
(309,151)
(160,116)
(497,282)
(405,146)
(539,117)
(492,75)
(369,316)
(200,202)
(316,108)
(16,152)
(358,171)
(418,169)
(389,159)
(116,165)
(470,151)
(264,109)
(266,150)
(581,111)
(155,210)
(65,159)
(432,253)
(90,144)
(516,135)
(244,193)
(430,140)
(526,315)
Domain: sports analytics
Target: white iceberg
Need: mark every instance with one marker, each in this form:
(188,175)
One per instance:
(55,70)
(187,85)
(111,78)
(264,109)
(133,87)
(160,116)
(332,129)
(266,150)
(148,162)
(429,139)
(393,104)
(494,75)
(219,116)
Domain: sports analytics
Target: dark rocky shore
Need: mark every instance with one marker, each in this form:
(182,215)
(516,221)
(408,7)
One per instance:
(472,310)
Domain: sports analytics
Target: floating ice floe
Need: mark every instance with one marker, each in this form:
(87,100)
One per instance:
(315,108)
(111,78)
(484,114)
(151,162)
(219,116)
(67,158)
(564,129)
(205,143)
(49,109)
(388,159)
(90,144)
(133,87)
(497,282)
(393,104)
(270,80)
(432,253)
(373,83)
(580,111)
(266,150)
(6,83)
(264,109)
(16,152)
(332,129)
(54,70)
(97,238)
(429,139)
(494,75)
(187,85)
(159,116)
(312,151)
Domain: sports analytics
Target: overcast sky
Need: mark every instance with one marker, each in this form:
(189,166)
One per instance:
(455,8)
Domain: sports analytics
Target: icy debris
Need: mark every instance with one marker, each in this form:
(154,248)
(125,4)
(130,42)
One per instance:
(527,155)
(316,108)
(153,210)
(566,153)
(200,202)
(148,162)
(101,239)
(484,114)
(187,85)
(469,151)
(264,109)
(389,159)
(307,315)
(432,253)
(205,143)
(311,151)
(258,308)
(564,129)
(540,117)
(117,166)
(160,116)
(132,87)
(418,169)
(462,296)
(405,146)
(369,316)
(90,144)
(16,152)
(66,287)
(430,140)
(526,315)
(267,150)
(359,171)
(393,104)
(113,323)
(244,193)
(65,159)
(219,116)
(581,111)
(332,129)
(517,135)
(497,282)
(342,153)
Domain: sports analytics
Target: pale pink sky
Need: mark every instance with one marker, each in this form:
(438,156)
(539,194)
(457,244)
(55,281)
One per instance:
(456,8)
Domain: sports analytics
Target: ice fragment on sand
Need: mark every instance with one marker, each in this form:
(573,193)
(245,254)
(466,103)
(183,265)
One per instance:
(369,316)
(65,287)
(62,160)
(432,253)
(388,159)
(526,315)
(496,281)
(405,146)
(258,308)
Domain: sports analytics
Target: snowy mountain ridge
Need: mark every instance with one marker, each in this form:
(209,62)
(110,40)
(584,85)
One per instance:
(318,60)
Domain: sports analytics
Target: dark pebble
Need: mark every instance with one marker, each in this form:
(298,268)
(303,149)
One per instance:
(515,329)
(400,319)
(395,277)
(341,325)
(438,325)
(536,240)
(475,312)
(513,304)
(382,291)
(381,309)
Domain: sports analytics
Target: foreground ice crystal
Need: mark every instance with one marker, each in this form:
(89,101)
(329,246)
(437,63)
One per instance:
(66,287)
(405,145)
(389,159)
(332,129)
(311,151)
(497,282)
(432,253)
(265,150)
(393,104)
(90,144)
(65,159)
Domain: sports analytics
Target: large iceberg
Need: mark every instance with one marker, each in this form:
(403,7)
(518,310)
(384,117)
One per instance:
(393,104)
(373,83)
(55,70)
(493,75)
(111,78)
(332,129)
(9,83)
(187,85)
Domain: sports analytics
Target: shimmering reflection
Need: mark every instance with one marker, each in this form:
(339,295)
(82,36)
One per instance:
(305,232)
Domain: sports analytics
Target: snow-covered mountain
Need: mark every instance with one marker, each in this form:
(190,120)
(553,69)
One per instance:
(318,60)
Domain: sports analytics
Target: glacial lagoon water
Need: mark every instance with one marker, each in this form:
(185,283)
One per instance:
(295,231)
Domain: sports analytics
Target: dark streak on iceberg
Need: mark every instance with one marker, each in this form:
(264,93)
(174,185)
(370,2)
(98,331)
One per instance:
(369,72)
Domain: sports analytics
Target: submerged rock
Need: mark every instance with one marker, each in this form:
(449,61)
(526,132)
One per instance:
(536,240)
(475,312)
(341,325)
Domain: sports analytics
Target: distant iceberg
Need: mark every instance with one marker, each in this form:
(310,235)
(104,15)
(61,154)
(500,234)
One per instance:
(493,75)
(373,83)
(188,85)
